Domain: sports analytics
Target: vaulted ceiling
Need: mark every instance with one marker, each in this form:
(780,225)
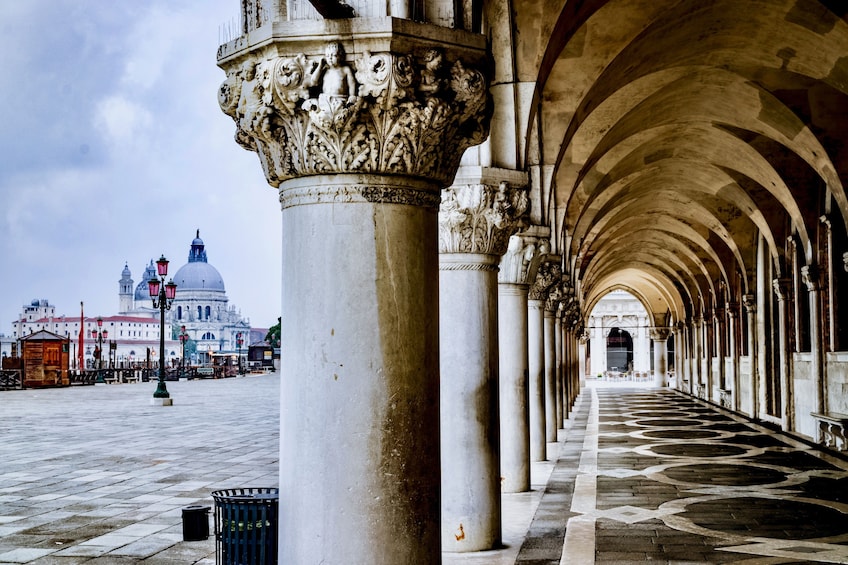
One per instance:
(679,132)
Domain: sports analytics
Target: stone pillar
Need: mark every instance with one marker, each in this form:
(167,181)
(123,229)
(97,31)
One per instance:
(581,360)
(720,344)
(550,373)
(560,413)
(750,303)
(537,363)
(697,350)
(359,175)
(514,363)
(733,351)
(660,339)
(810,276)
(781,290)
(478,214)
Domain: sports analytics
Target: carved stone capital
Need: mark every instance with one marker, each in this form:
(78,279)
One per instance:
(660,334)
(810,277)
(479,218)
(547,275)
(388,97)
(750,302)
(845,260)
(781,288)
(522,249)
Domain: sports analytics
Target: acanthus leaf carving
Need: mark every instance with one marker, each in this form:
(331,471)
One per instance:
(479,218)
(394,113)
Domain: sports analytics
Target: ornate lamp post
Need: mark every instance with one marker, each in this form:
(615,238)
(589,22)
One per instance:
(183,339)
(100,334)
(162,295)
(239,342)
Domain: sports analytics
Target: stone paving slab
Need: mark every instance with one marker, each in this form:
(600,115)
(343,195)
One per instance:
(661,477)
(96,474)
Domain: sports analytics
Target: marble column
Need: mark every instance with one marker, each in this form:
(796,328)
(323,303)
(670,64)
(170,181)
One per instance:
(810,276)
(359,391)
(542,280)
(514,386)
(750,303)
(560,412)
(733,352)
(697,353)
(660,339)
(781,291)
(550,374)
(478,214)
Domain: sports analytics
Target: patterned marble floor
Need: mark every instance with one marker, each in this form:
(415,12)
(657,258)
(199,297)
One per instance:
(96,475)
(651,475)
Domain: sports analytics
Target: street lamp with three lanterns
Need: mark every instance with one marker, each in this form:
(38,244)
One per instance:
(100,334)
(162,295)
(183,340)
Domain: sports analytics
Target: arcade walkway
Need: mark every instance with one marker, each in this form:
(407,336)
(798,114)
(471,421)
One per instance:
(95,475)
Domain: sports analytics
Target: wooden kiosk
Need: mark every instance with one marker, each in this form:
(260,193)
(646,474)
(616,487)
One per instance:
(45,359)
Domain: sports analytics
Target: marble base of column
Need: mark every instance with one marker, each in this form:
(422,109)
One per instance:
(359,392)
(513,390)
(468,317)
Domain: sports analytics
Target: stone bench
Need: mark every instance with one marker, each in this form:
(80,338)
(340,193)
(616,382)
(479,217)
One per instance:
(832,428)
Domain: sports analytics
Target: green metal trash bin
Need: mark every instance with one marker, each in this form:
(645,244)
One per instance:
(246,526)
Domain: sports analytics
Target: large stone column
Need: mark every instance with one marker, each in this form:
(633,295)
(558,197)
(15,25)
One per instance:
(514,387)
(810,276)
(660,339)
(536,361)
(359,146)
(781,291)
(750,303)
(733,352)
(478,214)
(558,335)
(550,373)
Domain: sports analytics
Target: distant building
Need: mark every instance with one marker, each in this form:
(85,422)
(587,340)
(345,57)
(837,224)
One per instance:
(201,305)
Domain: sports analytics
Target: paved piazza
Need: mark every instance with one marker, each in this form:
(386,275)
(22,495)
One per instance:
(98,475)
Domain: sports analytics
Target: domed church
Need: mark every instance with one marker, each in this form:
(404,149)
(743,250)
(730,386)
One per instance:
(202,306)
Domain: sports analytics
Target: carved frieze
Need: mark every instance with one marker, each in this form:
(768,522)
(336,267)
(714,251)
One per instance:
(409,113)
(479,218)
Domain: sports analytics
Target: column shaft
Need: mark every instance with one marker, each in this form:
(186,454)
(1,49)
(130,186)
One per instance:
(536,364)
(359,380)
(468,317)
(513,392)
(550,377)
(559,370)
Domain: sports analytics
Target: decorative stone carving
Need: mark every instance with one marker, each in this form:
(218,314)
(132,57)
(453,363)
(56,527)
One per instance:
(521,249)
(395,113)
(781,288)
(845,260)
(750,302)
(810,277)
(479,218)
(547,275)
(660,334)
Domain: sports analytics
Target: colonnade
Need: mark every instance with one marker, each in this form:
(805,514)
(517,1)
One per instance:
(401,423)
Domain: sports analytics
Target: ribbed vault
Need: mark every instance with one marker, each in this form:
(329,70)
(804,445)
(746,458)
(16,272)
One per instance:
(679,133)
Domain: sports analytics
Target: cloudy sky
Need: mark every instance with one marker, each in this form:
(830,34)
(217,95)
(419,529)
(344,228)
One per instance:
(114,151)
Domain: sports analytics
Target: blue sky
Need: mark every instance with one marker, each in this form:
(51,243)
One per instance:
(114,150)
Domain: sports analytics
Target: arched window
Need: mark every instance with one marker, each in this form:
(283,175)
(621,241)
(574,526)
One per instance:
(199,312)
(179,312)
(208,311)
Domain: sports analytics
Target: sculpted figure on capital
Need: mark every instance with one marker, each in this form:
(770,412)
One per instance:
(385,112)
